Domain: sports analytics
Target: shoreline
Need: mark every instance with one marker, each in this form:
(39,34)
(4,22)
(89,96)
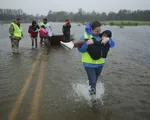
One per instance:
(104,23)
(124,23)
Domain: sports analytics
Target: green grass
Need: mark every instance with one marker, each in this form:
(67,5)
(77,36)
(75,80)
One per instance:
(8,22)
(3,22)
(125,23)
(111,23)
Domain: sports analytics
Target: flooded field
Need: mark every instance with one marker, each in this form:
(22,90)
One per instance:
(35,85)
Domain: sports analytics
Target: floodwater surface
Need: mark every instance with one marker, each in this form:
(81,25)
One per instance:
(36,85)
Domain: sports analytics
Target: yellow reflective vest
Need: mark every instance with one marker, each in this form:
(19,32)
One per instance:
(17,30)
(86,57)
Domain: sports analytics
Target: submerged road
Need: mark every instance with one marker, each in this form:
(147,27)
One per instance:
(41,85)
(34,106)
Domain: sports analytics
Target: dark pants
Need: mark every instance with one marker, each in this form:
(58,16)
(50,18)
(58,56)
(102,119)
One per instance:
(34,39)
(41,40)
(93,74)
(67,37)
(47,41)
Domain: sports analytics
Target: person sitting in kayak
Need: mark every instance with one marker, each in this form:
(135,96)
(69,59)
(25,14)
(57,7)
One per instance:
(33,31)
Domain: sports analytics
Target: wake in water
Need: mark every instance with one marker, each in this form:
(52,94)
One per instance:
(82,90)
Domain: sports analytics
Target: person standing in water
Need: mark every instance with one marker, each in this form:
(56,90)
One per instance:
(15,34)
(50,34)
(42,24)
(33,31)
(66,30)
(94,47)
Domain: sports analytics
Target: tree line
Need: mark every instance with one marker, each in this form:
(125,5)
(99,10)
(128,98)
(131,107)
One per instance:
(12,14)
(80,16)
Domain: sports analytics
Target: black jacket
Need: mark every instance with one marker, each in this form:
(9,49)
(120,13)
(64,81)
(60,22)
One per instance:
(66,29)
(98,50)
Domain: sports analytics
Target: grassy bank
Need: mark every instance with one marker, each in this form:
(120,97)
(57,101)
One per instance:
(8,22)
(124,23)
(4,22)
(111,23)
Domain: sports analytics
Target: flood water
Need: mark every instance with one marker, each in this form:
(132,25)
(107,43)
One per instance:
(35,85)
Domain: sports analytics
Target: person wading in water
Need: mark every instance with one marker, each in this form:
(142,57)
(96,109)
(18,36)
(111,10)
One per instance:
(42,24)
(33,31)
(15,34)
(94,47)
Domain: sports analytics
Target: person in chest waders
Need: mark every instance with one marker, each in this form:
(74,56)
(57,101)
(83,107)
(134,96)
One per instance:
(15,34)
(94,47)
(33,31)
(66,30)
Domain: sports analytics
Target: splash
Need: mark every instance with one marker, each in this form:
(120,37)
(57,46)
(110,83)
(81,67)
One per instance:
(82,90)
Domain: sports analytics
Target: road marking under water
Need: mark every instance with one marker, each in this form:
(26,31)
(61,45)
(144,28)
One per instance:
(35,103)
(19,100)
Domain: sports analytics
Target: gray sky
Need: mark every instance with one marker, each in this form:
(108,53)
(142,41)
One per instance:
(43,6)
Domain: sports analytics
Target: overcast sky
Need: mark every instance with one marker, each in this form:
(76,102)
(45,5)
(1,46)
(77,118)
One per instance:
(43,6)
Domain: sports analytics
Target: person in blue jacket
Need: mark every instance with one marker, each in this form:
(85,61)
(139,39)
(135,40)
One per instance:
(93,67)
(93,55)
